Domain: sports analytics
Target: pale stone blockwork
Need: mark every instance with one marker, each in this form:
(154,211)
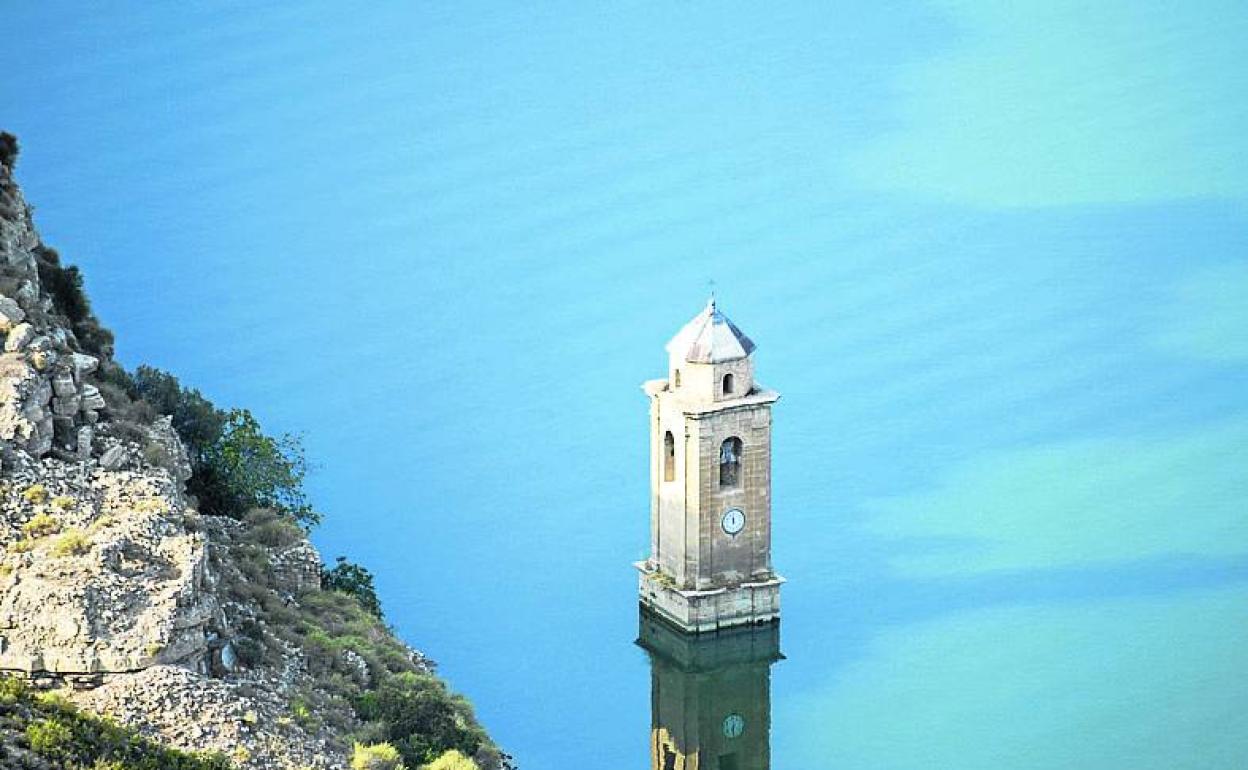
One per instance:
(710,476)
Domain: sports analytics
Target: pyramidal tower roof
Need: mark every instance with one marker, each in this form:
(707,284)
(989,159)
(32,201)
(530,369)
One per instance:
(710,338)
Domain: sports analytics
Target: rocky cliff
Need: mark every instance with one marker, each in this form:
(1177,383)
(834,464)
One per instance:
(206,632)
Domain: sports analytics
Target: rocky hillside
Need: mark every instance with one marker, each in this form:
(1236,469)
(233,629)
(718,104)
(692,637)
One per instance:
(204,621)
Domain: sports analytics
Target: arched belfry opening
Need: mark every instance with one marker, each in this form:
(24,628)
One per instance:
(728,384)
(669,456)
(730,462)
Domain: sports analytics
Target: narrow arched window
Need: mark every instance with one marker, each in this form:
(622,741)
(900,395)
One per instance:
(669,456)
(727,384)
(677,378)
(730,462)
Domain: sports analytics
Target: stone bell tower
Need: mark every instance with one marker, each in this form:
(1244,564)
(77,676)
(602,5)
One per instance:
(710,483)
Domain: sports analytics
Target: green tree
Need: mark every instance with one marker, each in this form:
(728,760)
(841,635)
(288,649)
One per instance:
(247,469)
(197,421)
(235,466)
(354,580)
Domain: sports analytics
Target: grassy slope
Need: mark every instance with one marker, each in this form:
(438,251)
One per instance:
(44,732)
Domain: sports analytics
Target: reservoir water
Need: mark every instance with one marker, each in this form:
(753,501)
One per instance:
(1014,530)
(993,261)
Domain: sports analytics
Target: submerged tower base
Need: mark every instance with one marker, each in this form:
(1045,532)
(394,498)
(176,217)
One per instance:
(712,609)
(710,695)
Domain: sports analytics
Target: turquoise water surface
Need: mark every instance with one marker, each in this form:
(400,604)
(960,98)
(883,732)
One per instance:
(993,256)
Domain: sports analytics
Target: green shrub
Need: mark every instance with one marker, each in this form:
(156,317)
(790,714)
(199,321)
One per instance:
(35,494)
(115,376)
(151,505)
(302,713)
(271,528)
(452,760)
(250,651)
(63,502)
(49,738)
(354,580)
(41,525)
(95,338)
(125,407)
(11,689)
(8,149)
(103,522)
(72,542)
(64,285)
(196,420)
(423,720)
(53,698)
(155,454)
(377,756)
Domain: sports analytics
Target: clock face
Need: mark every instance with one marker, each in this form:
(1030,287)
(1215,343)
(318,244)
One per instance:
(734,725)
(733,521)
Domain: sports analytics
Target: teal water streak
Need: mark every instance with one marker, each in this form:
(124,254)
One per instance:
(1125,683)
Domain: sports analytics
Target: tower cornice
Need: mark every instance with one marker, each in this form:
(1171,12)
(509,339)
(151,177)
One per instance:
(757,398)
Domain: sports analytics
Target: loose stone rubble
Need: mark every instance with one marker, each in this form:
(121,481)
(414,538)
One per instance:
(187,710)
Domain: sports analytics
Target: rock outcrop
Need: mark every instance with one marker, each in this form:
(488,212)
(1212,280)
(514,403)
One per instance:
(47,400)
(111,582)
(105,575)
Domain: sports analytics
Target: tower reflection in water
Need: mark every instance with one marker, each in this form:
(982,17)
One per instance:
(710,696)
